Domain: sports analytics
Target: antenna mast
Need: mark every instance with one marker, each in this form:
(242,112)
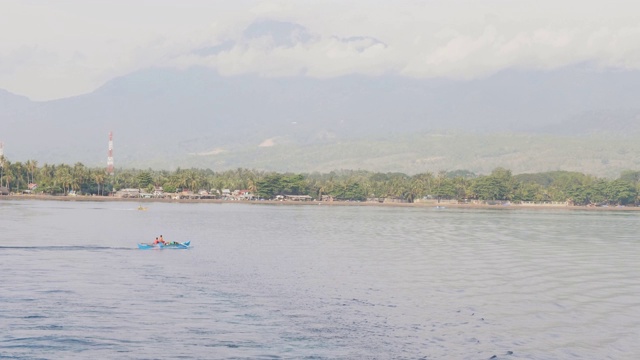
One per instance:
(110,155)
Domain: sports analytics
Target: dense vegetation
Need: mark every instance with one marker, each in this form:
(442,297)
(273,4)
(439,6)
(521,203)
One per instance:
(501,184)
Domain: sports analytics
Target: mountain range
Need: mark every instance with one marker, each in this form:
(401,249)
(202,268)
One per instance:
(575,118)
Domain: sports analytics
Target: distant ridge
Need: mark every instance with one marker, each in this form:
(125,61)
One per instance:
(618,122)
(165,117)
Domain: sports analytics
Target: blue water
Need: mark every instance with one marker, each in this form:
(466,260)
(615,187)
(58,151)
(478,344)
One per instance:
(316,282)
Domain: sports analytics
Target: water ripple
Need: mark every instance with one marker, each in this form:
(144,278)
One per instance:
(317,283)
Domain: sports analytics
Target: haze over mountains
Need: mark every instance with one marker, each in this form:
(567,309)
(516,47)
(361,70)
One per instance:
(180,118)
(580,117)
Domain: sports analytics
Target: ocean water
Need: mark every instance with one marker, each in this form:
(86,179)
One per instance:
(316,282)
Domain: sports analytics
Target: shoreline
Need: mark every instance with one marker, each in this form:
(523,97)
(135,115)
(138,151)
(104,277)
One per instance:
(430,204)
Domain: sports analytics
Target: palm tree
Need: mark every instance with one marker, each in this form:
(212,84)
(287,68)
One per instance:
(32,166)
(63,177)
(194,180)
(8,178)
(6,172)
(416,188)
(98,176)
(19,172)
(252,186)
(79,175)
(3,166)
(439,184)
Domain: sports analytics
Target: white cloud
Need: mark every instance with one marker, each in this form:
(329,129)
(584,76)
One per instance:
(64,48)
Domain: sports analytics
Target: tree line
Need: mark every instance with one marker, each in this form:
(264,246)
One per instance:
(352,185)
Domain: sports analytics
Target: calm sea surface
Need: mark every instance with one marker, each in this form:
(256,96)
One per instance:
(316,282)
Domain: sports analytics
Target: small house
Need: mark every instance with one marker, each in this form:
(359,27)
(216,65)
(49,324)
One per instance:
(298,198)
(128,193)
(158,192)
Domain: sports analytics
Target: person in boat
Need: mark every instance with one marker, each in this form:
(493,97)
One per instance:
(167,242)
(156,241)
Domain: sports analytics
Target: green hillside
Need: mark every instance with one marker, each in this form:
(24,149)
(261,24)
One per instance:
(599,155)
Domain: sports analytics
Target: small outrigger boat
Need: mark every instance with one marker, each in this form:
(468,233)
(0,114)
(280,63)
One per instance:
(167,245)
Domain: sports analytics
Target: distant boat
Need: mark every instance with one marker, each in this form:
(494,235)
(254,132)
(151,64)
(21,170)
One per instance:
(141,208)
(169,245)
(440,207)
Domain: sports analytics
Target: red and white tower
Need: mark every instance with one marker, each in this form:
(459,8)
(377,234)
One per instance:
(110,156)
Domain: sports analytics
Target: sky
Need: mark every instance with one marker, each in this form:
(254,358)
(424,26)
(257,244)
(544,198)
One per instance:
(63,48)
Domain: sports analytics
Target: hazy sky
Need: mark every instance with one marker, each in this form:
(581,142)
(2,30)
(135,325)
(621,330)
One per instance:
(53,49)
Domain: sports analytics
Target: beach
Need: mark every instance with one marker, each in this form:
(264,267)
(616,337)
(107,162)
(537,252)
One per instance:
(418,204)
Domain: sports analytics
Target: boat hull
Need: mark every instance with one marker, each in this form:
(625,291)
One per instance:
(176,245)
